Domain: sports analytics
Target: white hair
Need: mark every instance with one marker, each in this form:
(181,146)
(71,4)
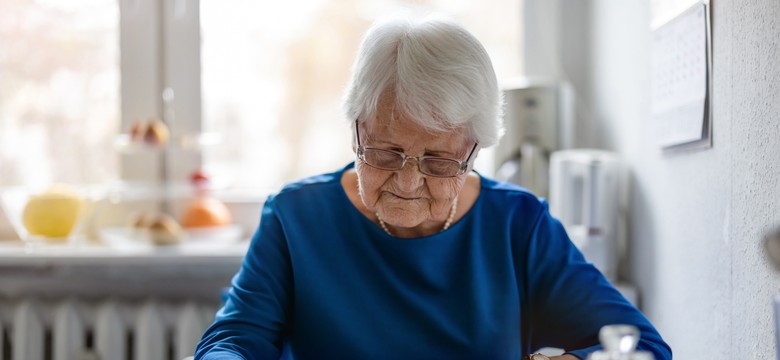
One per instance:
(439,73)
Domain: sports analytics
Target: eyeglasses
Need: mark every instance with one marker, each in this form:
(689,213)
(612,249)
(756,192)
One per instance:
(394,160)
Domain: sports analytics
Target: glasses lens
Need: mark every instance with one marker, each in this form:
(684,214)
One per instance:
(440,167)
(383,159)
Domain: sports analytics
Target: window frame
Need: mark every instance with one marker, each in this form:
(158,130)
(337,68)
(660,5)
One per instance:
(160,49)
(161,40)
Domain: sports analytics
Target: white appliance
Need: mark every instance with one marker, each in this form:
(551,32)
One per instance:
(585,195)
(537,116)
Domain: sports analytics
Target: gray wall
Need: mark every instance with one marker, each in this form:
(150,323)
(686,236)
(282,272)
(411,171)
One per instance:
(697,218)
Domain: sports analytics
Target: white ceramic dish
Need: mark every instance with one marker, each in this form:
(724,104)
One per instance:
(129,238)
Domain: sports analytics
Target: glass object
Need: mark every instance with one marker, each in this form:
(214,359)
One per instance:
(393,160)
(619,343)
(273,76)
(52,215)
(131,220)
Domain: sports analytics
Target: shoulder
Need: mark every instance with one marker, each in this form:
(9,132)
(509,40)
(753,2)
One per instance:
(508,210)
(507,195)
(312,183)
(309,190)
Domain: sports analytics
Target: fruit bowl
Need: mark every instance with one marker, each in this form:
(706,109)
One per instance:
(131,238)
(52,214)
(129,144)
(141,216)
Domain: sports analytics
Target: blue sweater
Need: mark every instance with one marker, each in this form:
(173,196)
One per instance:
(321,281)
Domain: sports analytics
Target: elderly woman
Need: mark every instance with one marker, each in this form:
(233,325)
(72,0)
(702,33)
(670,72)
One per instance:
(407,253)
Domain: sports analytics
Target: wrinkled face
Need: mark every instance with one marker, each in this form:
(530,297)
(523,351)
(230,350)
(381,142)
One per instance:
(406,197)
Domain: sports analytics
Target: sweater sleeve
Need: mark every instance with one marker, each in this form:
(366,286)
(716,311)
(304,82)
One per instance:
(254,318)
(570,300)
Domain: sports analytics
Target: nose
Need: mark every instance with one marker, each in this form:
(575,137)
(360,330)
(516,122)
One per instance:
(409,177)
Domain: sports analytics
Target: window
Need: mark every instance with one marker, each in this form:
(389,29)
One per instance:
(273,75)
(267,77)
(59,93)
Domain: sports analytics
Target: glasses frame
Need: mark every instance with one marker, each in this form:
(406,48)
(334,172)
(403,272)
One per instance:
(463,165)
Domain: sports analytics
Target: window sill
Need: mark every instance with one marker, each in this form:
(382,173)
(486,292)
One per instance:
(99,271)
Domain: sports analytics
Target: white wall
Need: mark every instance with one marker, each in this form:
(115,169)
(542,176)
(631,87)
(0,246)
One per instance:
(697,217)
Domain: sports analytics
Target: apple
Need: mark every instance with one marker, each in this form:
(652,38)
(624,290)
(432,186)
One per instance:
(157,133)
(137,131)
(199,179)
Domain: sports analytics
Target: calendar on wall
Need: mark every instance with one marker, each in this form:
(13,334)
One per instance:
(681,79)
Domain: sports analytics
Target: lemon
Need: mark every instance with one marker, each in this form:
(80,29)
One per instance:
(54,213)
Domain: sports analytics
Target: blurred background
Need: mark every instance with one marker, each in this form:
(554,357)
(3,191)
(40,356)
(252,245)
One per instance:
(267,78)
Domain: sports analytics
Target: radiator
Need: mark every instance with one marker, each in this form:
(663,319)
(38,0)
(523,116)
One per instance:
(107,329)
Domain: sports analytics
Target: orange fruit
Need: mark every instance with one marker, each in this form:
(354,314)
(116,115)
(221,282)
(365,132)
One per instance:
(205,212)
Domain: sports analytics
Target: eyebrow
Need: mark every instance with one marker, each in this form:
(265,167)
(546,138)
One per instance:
(428,152)
(370,141)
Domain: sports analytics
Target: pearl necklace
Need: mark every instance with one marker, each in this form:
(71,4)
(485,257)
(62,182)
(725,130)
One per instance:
(447,223)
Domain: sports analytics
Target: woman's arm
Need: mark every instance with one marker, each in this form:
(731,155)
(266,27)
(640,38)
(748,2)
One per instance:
(252,323)
(570,300)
